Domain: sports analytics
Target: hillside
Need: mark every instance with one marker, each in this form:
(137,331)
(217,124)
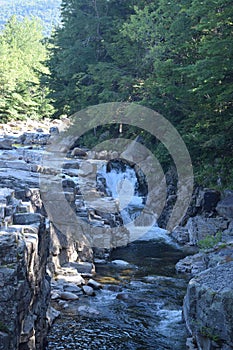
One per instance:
(47,10)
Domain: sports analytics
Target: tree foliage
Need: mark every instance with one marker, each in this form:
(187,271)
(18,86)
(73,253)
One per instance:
(175,57)
(22,62)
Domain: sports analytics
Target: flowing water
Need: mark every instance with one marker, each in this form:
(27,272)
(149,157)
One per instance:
(140,305)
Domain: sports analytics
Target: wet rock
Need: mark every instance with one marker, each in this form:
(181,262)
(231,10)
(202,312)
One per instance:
(94,284)
(55,295)
(88,290)
(120,263)
(68,296)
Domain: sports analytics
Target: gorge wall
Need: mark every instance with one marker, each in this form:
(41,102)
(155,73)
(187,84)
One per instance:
(25,286)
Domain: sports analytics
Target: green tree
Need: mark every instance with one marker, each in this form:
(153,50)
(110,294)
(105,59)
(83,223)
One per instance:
(92,62)
(189,45)
(22,62)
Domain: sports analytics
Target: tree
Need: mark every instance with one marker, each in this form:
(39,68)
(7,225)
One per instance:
(92,62)
(22,63)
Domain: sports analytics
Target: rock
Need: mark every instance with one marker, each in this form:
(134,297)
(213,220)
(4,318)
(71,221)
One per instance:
(121,263)
(54,130)
(94,284)
(82,267)
(208,307)
(25,289)
(29,138)
(51,315)
(181,235)
(6,144)
(123,296)
(78,152)
(207,199)
(85,310)
(77,279)
(26,218)
(68,296)
(225,206)
(88,290)
(199,227)
(192,264)
(73,288)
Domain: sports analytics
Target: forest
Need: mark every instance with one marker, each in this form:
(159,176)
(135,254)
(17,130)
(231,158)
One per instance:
(173,57)
(47,10)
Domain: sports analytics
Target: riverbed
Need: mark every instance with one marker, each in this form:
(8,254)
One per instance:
(139,307)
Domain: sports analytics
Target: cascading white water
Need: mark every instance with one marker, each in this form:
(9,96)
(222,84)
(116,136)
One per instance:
(122,185)
(120,182)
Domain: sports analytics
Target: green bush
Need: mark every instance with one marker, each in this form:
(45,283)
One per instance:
(210,241)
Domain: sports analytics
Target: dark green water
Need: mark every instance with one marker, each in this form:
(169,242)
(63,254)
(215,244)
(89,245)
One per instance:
(140,306)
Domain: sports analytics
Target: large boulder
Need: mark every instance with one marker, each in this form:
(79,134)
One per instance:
(208,308)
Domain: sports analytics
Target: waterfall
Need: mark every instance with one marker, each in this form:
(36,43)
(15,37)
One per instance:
(120,182)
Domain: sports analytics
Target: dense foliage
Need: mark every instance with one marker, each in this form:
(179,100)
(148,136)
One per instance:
(22,63)
(47,10)
(175,57)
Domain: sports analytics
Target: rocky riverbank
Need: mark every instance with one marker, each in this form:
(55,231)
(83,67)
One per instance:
(46,266)
(208,304)
(41,265)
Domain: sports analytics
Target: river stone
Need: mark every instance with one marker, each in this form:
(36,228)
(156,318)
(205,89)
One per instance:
(6,144)
(208,307)
(225,207)
(121,263)
(68,296)
(94,284)
(72,287)
(88,290)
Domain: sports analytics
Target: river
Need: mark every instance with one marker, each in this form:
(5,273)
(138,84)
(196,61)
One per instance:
(140,305)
